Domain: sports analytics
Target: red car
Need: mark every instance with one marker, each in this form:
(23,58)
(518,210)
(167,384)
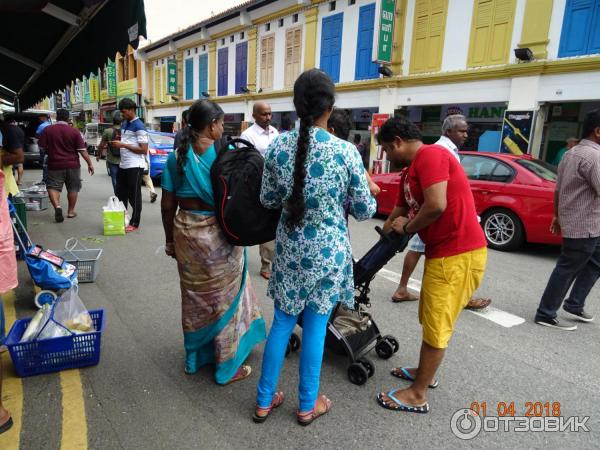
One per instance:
(514,197)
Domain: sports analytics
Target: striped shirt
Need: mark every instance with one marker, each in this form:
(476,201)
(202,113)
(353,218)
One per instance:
(578,188)
(134,133)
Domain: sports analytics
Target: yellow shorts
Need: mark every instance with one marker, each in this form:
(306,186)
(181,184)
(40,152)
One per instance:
(448,284)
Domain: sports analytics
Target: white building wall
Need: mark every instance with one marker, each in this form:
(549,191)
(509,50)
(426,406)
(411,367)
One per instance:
(524,93)
(468,92)
(517,30)
(570,87)
(457,35)
(556,22)
(408,32)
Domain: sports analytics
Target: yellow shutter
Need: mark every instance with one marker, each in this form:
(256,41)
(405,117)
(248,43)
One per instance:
(428,35)
(293,50)
(266,62)
(157,84)
(491,32)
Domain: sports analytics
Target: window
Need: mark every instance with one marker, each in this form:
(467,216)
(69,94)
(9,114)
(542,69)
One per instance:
(204,48)
(293,54)
(267,27)
(223,41)
(189,79)
(331,6)
(188,52)
(231,38)
(351,2)
(242,35)
(491,32)
(222,72)
(196,50)
(267,45)
(481,168)
(542,169)
(365,68)
(203,73)
(331,45)
(428,36)
(280,23)
(241,66)
(295,18)
(581,28)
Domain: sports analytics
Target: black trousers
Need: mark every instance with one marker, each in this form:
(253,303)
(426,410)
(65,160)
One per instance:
(129,190)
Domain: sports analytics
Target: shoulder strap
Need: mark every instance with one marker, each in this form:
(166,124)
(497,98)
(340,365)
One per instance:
(221,146)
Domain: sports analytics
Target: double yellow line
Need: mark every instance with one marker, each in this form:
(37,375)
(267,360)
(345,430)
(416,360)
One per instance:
(74,421)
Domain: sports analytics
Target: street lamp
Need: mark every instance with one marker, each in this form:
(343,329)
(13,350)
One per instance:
(385,71)
(205,94)
(524,54)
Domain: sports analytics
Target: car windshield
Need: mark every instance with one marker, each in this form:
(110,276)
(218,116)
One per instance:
(542,169)
(160,139)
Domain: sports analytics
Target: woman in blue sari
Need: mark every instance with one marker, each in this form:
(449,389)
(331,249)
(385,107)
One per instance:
(221,318)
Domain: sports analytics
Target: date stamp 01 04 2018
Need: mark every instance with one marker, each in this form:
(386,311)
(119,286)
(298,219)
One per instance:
(467,423)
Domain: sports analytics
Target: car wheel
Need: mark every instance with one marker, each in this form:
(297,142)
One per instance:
(503,230)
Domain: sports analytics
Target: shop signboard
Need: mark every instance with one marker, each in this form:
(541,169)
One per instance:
(377,155)
(516,132)
(127,87)
(86,90)
(104,95)
(77,91)
(384,34)
(94,90)
(172,77)
(475,112)
(111,78)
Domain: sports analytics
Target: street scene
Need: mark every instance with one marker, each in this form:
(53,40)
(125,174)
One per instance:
(300,224)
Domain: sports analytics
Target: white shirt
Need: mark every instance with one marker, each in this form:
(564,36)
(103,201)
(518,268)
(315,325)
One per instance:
(133,133)
(447,143)
(259,137)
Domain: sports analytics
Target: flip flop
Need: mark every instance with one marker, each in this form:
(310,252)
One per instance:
(242,373)
(404,374)
(6,425)
(265,275)
(71,216)
(423,409)
(408,298)
(58,215)
(481,303)
(276,403)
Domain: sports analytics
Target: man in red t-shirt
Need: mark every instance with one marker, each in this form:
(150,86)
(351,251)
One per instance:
(436,202)
(63,144)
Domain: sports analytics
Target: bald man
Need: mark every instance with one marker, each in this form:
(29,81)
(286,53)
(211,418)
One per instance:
(261,134)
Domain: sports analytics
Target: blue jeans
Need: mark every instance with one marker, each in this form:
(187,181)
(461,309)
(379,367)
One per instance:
(314,328)
(577,265)
(114,170)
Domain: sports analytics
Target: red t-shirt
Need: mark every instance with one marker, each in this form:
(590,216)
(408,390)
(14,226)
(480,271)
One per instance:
(62,143)
(457,229)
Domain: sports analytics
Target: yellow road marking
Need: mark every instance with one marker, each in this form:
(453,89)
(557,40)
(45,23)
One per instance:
(74,422)
(12,386)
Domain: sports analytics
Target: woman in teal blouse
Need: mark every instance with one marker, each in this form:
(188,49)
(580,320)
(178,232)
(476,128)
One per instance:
(221,318)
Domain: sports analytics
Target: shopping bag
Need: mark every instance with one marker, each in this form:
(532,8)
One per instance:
(113,217)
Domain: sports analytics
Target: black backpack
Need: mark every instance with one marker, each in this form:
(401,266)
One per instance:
(236,177)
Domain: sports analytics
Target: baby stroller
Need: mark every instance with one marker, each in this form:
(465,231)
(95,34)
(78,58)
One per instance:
(353,331)
(48,271)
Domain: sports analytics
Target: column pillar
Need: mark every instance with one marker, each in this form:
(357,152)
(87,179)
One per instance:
(398,39)
(212,68)
(252,47)
(310,38)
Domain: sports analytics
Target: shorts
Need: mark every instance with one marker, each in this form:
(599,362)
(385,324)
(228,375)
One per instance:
(416,244)
(71,178)
(447,286)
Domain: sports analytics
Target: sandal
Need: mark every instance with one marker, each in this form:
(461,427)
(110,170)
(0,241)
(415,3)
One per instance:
(399,406)
(8,423)
(404,374)
(306,418)
(407,298)
(261,414)
(476,304)
(58,215)
(242,373)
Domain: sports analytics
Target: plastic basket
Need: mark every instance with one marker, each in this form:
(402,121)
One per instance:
(83,258)
(36,201)
(53,355)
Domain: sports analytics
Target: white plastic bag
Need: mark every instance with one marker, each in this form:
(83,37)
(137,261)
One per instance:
(37,323)
(114,204)
(70,312)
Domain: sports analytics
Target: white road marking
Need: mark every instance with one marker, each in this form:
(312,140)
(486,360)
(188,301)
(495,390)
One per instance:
(496,315)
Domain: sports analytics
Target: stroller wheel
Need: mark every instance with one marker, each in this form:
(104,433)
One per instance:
(357,374)
(393,341)
(44,298)
(384,349)
(367,364)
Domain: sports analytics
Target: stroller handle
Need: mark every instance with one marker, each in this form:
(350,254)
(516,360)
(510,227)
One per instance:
(391,236)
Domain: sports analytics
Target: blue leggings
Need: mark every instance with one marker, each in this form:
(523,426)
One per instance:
(314,327)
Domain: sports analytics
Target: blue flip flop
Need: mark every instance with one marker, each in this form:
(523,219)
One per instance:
(423,409)
(404,374)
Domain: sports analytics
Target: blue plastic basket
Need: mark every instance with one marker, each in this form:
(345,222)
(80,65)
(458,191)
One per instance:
(53,355)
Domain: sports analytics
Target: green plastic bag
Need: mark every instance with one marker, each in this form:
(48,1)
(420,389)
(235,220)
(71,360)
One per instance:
(114,223)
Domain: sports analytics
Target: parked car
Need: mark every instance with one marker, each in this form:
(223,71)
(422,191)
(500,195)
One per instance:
(514,196)
(28,121)
(159,147)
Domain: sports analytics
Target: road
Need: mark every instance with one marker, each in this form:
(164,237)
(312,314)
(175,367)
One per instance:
(138,397)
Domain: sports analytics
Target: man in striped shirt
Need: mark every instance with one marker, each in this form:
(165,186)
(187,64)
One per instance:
(577,216)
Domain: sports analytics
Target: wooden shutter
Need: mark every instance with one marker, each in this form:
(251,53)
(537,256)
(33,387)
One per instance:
(331,45)
(428,35)
(365,68)
(293,53)
(491,32)
(203,73)
(189,79)
(267,62)
(577,24)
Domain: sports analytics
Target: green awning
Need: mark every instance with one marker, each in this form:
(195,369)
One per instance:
(45,44)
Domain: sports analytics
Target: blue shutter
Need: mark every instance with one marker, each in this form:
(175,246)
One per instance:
(203,73)
(331,45)
(576,28)
(189,79)
(223,68)
(241,66)
(365,68)
(594,42)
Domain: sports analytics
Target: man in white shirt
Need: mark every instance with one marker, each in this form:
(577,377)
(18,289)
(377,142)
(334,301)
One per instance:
(261,134)
(455,132)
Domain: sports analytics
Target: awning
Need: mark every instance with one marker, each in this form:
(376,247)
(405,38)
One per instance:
(45,44)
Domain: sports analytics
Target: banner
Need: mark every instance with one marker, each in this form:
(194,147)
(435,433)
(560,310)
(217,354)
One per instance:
(172,77)
(111,78)
(516,132)
(384,35)
(78,93)
(127,87)
(94,93)
(475,112)
(86,90)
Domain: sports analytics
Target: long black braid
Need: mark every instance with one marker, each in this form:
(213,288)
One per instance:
(314,94)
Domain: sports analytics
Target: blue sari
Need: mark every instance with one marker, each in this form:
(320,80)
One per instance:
(221,317)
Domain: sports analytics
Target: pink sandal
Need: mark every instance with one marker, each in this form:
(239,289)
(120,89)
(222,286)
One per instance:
(306,418)
(261,414)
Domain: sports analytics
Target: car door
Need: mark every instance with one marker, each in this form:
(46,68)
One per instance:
(389,184)
(488,178)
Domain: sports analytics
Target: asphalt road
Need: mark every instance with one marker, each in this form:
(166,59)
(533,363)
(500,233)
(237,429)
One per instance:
(138,397)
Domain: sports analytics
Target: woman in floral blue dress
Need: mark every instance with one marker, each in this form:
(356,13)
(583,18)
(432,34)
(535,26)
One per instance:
(309,173)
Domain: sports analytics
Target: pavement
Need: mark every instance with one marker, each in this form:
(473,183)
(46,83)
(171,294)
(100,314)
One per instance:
(138,397)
